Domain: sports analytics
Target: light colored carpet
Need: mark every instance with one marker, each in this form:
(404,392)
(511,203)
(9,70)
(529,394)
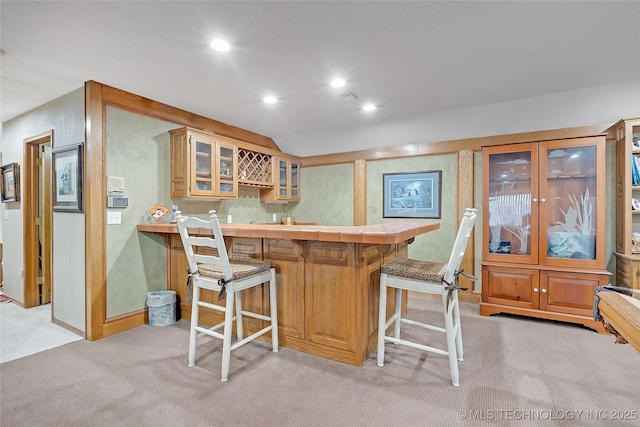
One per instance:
(29,331)
(517,372)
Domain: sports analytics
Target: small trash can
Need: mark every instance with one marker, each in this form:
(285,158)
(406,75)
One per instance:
(162,308)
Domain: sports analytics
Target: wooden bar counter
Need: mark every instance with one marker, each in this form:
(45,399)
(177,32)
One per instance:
(328,280)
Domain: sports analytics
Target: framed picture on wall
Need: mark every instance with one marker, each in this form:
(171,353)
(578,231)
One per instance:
(10,184)
(412,195)
(67,178)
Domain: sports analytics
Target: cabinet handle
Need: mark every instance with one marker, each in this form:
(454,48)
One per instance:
(637,272)
(535,289)
(544,291)
(535,199)
(543,200)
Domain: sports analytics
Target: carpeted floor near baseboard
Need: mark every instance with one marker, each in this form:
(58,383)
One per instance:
(516,372)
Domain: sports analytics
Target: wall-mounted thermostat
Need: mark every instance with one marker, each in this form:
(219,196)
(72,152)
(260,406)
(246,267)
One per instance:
(117,202)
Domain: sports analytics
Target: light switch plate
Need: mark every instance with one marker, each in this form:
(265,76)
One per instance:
(114,217)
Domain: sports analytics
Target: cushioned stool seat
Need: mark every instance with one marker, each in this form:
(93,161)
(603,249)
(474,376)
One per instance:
(415,269)
(240,268)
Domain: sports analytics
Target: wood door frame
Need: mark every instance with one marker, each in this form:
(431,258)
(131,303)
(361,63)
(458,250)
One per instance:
(31,211)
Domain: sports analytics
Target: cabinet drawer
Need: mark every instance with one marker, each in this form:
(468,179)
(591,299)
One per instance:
(509,286)
(244,247)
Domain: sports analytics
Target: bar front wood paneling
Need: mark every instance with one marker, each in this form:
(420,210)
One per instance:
(328,280)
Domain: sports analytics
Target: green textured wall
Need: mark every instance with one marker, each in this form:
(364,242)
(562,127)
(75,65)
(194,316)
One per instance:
(433,246)
(137,149)
(326,195)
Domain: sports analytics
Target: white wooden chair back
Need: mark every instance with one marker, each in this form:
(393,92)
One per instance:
(460,244)
(205,234)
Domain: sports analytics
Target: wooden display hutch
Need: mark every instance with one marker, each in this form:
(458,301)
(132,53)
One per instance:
(544,229)
(627,138)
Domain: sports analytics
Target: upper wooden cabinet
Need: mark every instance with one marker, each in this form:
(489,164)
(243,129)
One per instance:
(287,181)
(203,166)
(626,134)
(543,252)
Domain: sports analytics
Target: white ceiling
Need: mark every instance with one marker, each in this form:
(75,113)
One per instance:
(409,58)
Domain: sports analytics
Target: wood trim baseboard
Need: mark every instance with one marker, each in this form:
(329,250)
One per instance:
(67,326)
(124,322)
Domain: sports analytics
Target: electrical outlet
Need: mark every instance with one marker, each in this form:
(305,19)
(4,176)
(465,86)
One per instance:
(114,217)
(229,219)
(274,218)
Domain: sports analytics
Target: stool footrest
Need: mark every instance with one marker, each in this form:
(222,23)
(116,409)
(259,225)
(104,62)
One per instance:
(255,315)
(250,338)
(416,345)
(423,325)
(210,331)
(211,306)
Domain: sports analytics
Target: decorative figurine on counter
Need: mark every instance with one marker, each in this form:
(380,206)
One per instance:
(158,212)
(635,242)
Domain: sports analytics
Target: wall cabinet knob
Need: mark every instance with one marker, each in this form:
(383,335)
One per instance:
(535,199)
(543,200)
(535,289)
(544,291)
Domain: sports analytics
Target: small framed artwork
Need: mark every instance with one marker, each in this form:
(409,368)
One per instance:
(10,184)
(635,204)
(67,178)
(412,195)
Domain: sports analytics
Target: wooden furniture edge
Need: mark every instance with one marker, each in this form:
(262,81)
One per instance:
(352,234)
(622,315)
(487,309)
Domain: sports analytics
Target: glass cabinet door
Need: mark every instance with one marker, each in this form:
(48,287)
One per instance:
(568,202)
(510,188)
(203,156)
(295,186)
(226,170)
(283,177)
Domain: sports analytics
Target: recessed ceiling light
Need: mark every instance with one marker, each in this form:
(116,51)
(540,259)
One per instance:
(219,45)
(270,99)
(337,83)
(369,107)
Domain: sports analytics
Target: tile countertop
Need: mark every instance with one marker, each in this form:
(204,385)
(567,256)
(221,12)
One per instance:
(389,233)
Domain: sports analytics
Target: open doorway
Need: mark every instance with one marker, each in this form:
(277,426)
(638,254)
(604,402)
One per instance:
(37,214)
